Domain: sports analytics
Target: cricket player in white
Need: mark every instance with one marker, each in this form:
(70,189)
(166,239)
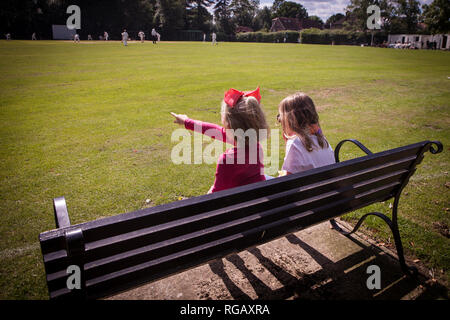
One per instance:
(214,38)
(141,35)
(76,37)
(154,35)
(105,36)
(124,37)
(33,36)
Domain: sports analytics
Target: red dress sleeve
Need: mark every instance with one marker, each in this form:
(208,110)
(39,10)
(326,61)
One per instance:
(209,129)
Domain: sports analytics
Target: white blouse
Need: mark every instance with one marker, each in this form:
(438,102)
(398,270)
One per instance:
(299,159)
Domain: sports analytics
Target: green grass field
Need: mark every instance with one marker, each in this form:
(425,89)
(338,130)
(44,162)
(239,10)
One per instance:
(91,122)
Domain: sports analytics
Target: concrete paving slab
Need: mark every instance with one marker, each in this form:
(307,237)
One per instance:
(315,264)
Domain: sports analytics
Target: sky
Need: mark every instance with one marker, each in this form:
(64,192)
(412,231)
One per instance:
(323,8)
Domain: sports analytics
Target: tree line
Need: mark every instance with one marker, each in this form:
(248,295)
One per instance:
(23,17)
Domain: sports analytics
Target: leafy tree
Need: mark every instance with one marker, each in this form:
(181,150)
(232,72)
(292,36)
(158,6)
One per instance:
(397,15)
(291,9)
(223,13)
(409,12)
(263,19)
(275,6)
(331,20)
(198,16)
(244,11)
(437,16)
(357,14)
(318,19)
(169,15)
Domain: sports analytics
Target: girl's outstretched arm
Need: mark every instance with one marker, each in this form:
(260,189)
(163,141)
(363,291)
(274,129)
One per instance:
(210,129)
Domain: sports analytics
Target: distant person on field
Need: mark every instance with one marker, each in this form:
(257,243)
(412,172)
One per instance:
(141,35)
(76,37)
(125,37)
(154,36)
(243,163)
(105,35)
(89,37)
(158,36)
(306,146)
(204,37)
(8,36)
(214,36)
(33,36)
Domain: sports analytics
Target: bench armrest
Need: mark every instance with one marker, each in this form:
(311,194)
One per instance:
(439,146)
(61,214)
(359,144)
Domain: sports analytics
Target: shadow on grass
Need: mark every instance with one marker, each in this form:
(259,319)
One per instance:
(341,280)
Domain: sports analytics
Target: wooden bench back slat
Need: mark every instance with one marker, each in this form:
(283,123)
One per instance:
(141,246)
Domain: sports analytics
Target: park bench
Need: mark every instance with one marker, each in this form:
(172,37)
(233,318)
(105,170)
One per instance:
(126,250)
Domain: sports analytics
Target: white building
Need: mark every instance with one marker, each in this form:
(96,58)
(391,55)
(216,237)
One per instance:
(419,41)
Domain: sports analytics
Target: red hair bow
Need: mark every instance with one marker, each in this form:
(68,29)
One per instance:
(232,96)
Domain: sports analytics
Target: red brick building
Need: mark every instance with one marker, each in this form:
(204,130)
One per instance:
(284,24)
(243,29)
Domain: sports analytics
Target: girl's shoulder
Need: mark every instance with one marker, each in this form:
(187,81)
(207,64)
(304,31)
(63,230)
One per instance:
(297,144)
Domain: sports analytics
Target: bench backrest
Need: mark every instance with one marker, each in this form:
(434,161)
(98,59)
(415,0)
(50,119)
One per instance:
(122,251)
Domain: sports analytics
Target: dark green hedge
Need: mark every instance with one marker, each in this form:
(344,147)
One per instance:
(316,36)
(313,36)
(291,36)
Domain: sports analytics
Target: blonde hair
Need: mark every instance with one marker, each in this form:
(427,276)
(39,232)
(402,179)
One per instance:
(246,114)
(298,114)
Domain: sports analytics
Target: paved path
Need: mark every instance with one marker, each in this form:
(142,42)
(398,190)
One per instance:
(315,263)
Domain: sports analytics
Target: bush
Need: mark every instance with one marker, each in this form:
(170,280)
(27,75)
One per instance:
(259,36)
(316,36)
(221,36)
(313,36)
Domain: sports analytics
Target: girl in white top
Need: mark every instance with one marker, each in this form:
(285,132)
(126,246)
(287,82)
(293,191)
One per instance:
(306,146)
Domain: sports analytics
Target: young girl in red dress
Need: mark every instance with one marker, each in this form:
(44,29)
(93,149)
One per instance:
(241,113)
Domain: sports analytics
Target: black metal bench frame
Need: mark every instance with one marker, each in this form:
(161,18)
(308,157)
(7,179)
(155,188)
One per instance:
(126,250)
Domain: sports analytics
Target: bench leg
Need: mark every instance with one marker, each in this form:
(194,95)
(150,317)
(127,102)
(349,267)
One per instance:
(410,271)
